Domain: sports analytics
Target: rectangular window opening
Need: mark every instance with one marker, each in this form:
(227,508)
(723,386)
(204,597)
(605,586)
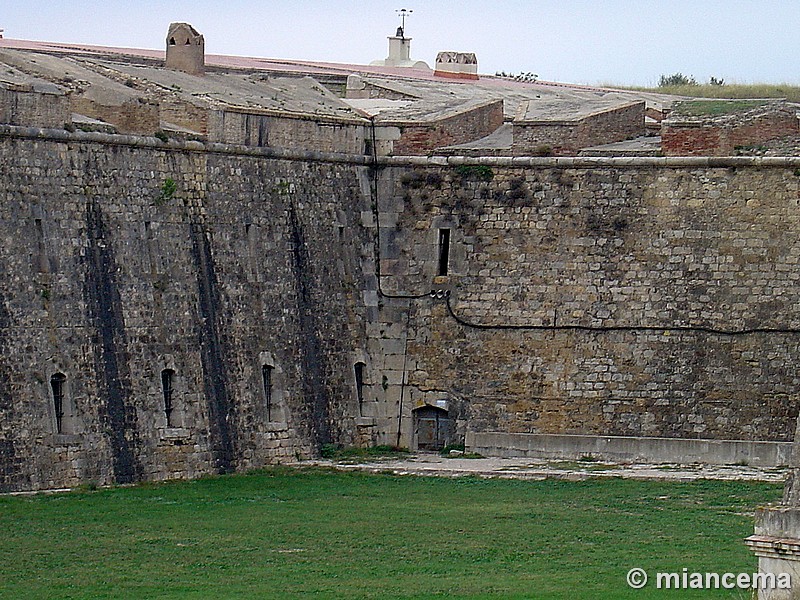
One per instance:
(167,387)
(266,375)
(444,251)
(57,385)
(359,373)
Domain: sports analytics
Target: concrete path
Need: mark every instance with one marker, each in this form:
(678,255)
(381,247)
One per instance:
(533,469)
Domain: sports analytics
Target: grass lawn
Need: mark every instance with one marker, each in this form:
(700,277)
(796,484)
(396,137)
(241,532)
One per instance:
(286,533)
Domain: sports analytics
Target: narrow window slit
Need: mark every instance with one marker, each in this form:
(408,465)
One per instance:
(57,385)
(167,381)
(266,376)
(444,251)
(358,368)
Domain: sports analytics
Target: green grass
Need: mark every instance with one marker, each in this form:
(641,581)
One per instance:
(712,107)
(298,533)
(354,454)
(756,90)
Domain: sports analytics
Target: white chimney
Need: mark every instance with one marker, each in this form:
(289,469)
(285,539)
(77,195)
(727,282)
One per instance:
(400,54)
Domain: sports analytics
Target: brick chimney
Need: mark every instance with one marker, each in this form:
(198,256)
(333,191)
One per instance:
(456,65)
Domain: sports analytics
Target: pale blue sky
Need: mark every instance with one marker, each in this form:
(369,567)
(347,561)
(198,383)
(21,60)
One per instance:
(577,41)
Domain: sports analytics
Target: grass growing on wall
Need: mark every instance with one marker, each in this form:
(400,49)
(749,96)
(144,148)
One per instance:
(699,108)
(756,90)
(285,533)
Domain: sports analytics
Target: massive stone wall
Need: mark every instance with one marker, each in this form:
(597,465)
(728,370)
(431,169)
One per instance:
(600,298)
(111,278)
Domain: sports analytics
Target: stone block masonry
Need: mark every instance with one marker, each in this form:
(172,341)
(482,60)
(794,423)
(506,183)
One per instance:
(280,130)
(34,108)
(135,116)
(112,277)
(642,298)
(169,310)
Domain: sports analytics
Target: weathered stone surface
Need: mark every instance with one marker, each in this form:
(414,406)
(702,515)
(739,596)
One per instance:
(109,278)
(608,301)
(588,296)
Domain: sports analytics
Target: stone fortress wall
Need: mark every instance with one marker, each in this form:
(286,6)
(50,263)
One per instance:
(113,279)
(648,298)
(597,297)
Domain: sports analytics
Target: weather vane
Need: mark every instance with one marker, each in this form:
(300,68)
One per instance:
(403,14)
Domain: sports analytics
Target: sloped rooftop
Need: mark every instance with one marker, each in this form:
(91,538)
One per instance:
(240,81)
(252,91)
(530,100)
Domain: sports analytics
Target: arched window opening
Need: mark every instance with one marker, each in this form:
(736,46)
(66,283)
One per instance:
(167,386)
(172,41)
(57,386)
(266,376)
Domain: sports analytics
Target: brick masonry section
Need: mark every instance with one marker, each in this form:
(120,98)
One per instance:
(722,139)
(466,126)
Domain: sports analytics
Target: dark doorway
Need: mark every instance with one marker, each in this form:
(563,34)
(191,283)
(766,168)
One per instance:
(433,428)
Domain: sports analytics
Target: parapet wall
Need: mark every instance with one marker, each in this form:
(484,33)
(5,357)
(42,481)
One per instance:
(282,131)
(466,126)
(34,108)
(567,138)
(136,115)
(723,139)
